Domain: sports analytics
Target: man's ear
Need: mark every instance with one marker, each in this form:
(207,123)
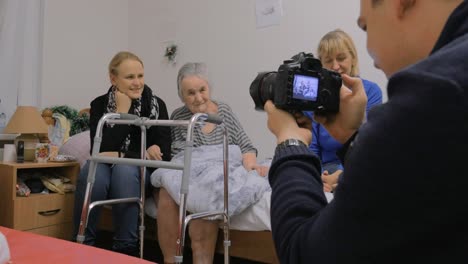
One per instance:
(404,6)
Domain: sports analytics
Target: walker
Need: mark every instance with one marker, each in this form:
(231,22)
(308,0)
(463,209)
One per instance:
(184,220)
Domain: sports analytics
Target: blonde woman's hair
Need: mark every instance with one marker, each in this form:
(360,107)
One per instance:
(338,41)
(119,58)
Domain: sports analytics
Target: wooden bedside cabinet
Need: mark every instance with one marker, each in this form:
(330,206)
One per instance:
(46,214)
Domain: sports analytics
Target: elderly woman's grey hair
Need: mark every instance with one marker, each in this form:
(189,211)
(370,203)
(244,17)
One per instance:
(198,69)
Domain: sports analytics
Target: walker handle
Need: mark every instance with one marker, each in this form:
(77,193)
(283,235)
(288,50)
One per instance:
(128,116)
(215,119)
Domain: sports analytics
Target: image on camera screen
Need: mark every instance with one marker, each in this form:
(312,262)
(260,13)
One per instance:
(305,87)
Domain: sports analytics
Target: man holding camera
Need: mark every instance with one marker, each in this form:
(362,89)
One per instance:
(415,208)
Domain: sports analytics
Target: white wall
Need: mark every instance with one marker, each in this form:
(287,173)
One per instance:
(20,55)
(81,36)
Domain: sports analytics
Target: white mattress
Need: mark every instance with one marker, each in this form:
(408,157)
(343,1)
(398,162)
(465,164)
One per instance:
(254,218)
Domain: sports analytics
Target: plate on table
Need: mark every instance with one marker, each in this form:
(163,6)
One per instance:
(63,158)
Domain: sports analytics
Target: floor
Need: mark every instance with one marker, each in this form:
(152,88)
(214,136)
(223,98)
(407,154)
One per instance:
(152,252)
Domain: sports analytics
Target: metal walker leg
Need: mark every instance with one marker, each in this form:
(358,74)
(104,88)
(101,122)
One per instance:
(88,205)
(184,220)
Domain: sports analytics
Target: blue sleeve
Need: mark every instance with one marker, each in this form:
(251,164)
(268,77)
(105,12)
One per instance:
(374,94)
(315,145)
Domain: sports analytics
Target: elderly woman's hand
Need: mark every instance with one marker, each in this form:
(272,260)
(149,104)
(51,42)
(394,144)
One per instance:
(261,170)
(249,160)
(154,153)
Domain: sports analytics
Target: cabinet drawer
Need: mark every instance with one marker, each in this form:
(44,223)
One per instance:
(41,210)
(62,231)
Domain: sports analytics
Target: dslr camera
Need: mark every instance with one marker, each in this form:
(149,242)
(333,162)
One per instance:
(301,84)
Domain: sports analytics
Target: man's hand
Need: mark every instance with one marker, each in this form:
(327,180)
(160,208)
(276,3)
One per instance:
(284,126)
(353,101)
(154,153)
(122,101)
(303,120)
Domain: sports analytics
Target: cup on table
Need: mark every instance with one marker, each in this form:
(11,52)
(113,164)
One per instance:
(42,152)
(9,153)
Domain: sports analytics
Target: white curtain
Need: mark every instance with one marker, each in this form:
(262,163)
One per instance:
(21,28)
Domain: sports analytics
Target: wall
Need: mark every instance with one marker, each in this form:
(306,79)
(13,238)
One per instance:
(224,35)
(80,38)
(20,55)
(79,42)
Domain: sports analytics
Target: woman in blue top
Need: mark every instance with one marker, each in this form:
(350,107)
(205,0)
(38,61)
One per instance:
(337,52)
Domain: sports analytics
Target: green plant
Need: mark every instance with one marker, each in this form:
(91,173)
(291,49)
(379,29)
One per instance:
(78,123)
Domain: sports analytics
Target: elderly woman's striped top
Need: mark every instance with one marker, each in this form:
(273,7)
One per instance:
(236,134)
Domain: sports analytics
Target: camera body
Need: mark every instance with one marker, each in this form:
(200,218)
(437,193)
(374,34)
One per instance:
(301,84)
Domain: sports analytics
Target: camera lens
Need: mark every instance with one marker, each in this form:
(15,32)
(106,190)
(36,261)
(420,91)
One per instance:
(262,89)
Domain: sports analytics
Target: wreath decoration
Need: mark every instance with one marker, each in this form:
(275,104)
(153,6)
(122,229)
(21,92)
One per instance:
(171,53)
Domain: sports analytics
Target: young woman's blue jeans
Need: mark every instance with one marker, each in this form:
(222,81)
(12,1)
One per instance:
(112,182)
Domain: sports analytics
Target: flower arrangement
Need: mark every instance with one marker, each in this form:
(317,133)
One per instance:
(171,53)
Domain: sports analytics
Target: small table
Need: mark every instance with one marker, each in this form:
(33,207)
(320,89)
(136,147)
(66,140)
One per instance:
(44,214)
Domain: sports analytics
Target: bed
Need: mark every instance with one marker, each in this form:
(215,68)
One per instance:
(250,233)
(249,198)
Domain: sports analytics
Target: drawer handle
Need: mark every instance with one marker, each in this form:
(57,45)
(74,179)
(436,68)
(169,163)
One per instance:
(49,213)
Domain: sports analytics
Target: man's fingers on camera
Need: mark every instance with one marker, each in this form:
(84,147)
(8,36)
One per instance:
(349,81)
(352,84)
(269,106)
(320,119)
(323,120)
(298,115)
(303,121)
(283,125)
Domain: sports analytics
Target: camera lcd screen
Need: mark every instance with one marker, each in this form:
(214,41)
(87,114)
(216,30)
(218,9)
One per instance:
(305,87)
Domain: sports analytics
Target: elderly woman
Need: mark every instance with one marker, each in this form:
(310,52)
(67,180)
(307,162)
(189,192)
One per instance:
(128,94)
(337,52)
(194,91)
